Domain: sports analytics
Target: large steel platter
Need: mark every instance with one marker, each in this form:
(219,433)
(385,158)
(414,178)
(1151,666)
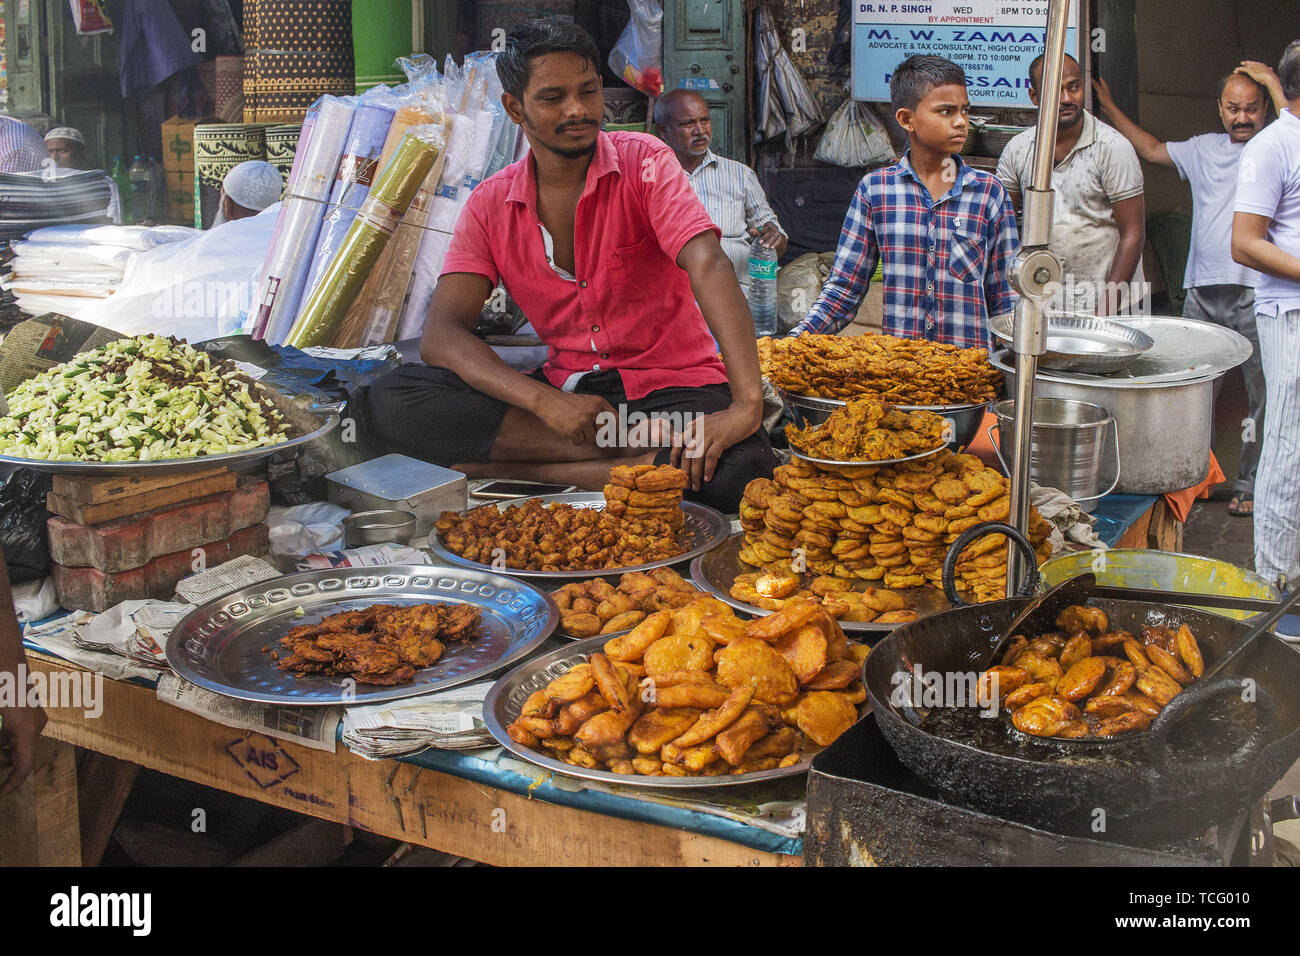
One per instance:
(715,572)
(305,424)
(704,530)
(507,696)
(220,645)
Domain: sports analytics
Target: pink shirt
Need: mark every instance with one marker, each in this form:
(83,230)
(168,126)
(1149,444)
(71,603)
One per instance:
(632,307)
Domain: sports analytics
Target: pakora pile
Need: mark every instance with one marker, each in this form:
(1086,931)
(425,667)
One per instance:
(869,430)
(696,691)
(1087,680)
(887,523)
(559,537)
(588,608)
(647,491)
(899,370)
(383,644)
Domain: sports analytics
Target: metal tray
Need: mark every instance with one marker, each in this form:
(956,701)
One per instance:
(1082,343)
(830,462)
(1185,350)
(219,645)
(704,529)
(506,698)
(309,425)
(715,572)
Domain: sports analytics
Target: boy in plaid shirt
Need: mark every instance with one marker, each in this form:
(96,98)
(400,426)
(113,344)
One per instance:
(947,232)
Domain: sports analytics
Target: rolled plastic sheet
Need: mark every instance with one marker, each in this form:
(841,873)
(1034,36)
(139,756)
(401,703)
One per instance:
(405,118)
(375,224)
(284,272)
(356,173)
(460,174)
(373,316)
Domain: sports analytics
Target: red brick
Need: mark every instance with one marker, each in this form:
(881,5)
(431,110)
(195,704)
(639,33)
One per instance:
(132,542)
(94,590)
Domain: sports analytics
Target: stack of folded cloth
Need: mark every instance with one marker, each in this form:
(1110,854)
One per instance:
(67,268)
(31,200)
(647,491)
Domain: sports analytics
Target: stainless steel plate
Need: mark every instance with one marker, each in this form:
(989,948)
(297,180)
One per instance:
(309,425)
(863,464)
(219,645)
(1185,350)
(1083,343)
(808,410)
(507,696)
(704,529)
(716,571)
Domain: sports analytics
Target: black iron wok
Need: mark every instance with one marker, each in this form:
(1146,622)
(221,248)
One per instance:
(1215,754)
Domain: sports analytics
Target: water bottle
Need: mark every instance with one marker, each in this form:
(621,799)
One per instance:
(123,181)
(762,288)
(140,183)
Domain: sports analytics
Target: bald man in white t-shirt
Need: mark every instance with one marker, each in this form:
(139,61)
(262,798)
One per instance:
(1219,289)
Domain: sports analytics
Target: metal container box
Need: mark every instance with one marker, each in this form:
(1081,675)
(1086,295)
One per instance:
(400,483)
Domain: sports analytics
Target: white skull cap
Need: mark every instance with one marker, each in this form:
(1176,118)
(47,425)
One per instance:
(254,184)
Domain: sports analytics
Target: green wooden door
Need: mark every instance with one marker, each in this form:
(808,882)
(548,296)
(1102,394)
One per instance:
(25,61)
(704,49)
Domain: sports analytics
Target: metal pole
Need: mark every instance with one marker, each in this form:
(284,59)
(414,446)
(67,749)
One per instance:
(1034,274)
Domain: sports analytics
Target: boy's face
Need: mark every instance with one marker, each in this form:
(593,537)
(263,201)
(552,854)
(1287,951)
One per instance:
(562,105)
(940,120)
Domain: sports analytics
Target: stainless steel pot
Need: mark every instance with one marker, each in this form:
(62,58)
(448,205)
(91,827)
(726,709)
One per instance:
(1068,446)
(1163,427)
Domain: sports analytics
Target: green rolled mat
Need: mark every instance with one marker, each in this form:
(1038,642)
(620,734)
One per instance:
(378,219)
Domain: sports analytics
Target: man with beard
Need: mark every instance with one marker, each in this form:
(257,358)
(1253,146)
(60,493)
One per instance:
(600,240)
(1218,289)
(1098,221)
(729,190)
(1266,238)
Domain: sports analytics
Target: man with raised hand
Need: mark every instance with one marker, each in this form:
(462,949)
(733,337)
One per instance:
(1219,289)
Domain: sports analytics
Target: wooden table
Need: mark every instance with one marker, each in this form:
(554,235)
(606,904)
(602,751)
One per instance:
(38,825)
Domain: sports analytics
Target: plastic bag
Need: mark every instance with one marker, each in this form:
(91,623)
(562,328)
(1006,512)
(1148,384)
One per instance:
(852,139)
(22,524)
(798,285)
(637,56)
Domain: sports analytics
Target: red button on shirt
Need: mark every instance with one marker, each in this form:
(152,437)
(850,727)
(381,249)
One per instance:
(634,216)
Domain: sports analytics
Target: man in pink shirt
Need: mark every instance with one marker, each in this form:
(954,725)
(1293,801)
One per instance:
(603,244)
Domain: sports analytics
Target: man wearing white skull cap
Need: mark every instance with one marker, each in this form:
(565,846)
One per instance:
(248,189)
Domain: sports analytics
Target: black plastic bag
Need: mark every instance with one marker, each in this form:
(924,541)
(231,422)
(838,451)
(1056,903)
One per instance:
(23,537)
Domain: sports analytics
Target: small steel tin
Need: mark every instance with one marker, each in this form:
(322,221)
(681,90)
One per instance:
(400,483)
(378,527)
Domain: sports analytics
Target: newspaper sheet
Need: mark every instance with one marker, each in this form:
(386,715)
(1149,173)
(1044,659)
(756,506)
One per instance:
(314,727)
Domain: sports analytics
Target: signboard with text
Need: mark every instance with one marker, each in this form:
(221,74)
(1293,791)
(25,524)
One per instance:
(994,41)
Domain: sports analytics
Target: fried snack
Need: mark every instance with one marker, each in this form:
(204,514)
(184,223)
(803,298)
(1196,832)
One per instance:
(868,430)
(697,713)
(1066,686)
(639,596)
(816,527)
(383,644)
(900,370)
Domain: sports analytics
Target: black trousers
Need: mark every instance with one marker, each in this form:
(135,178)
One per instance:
(430,413)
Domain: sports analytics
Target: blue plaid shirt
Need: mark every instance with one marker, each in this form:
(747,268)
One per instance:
(946,263)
